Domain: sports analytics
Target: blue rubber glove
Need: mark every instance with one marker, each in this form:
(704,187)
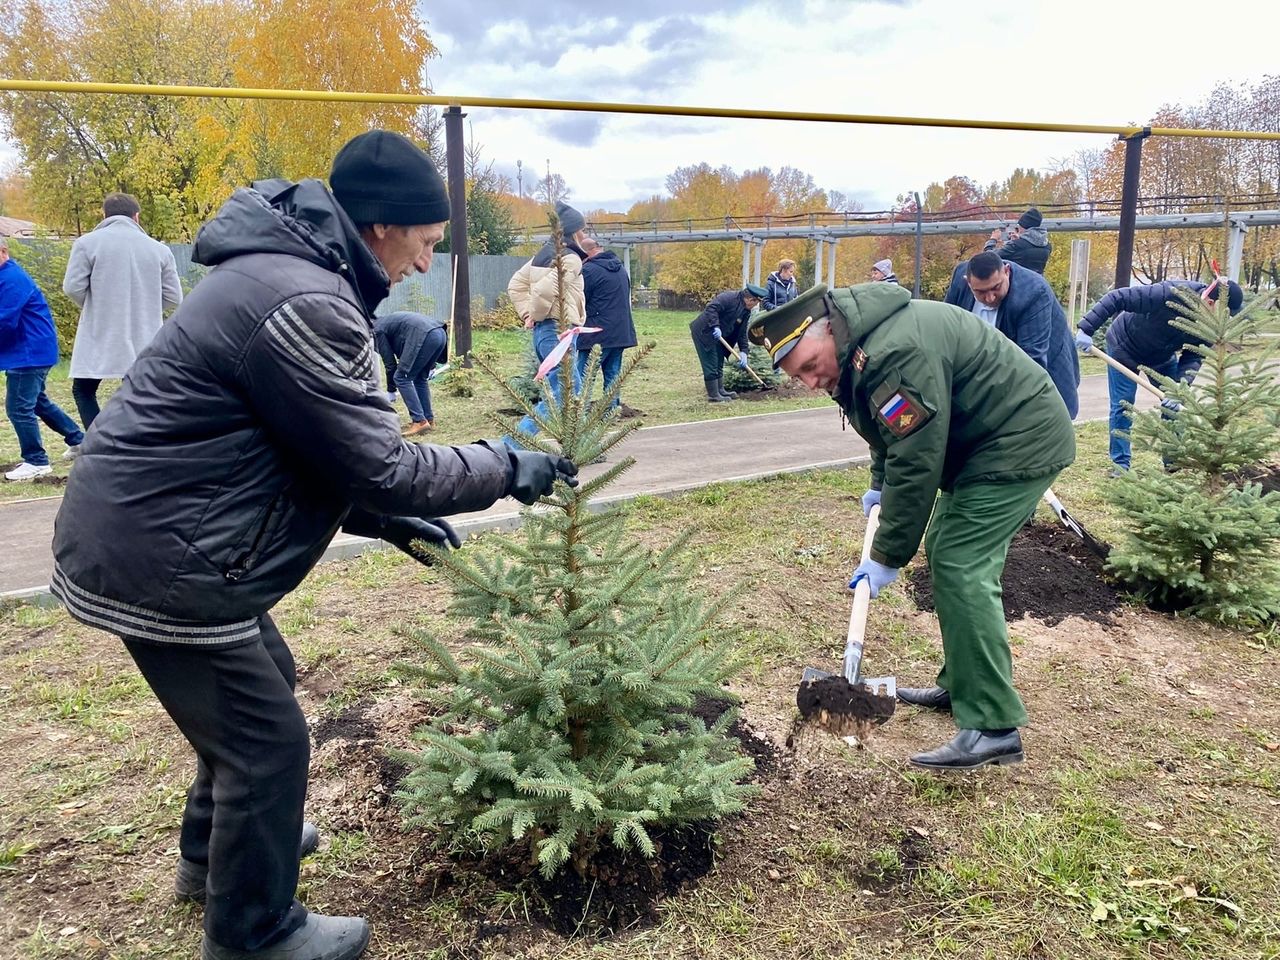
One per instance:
(876,574)
(869,500)
(742,360)
(1084,341)
(1171,405)
(716,334)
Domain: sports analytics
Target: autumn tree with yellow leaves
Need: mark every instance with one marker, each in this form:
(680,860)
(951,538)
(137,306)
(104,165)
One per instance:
(183,157)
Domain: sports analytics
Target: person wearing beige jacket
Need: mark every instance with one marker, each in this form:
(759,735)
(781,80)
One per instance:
(535,293)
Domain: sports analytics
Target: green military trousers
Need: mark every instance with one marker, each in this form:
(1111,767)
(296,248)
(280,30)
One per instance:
(967,543)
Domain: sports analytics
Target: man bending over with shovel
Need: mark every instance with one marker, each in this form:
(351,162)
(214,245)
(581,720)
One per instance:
(1140,333)
(962,425)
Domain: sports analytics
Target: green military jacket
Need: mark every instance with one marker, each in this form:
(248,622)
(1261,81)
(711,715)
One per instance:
(943,400)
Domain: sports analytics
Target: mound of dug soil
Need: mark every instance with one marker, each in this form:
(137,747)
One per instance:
(1049,575)
(1269,478)
(618,890)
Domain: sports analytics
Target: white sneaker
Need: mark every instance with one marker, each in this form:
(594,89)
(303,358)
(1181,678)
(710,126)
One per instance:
(71,452)
(28,471)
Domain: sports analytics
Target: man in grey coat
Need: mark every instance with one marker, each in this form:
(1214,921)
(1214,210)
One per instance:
(123,281)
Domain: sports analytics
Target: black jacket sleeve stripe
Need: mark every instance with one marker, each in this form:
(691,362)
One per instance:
(289,337)
(318,345)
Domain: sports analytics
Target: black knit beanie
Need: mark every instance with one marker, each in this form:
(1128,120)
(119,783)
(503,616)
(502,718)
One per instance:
(571,221)
(1030,219)
(382,177)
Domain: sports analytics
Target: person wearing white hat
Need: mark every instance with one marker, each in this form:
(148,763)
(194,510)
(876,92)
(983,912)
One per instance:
(882,272)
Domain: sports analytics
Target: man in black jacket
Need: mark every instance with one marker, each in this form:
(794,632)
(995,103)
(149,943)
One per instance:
(1028,244)
(249,430)
(725,317)
(1142,335)
(608,295)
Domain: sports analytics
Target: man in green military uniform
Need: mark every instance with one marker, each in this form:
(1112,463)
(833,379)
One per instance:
(962,425)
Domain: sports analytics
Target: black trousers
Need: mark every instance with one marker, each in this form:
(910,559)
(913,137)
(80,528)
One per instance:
(244,811)
(711,359)
(84,391)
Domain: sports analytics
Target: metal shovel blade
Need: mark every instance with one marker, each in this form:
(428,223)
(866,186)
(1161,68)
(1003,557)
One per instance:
(870,700)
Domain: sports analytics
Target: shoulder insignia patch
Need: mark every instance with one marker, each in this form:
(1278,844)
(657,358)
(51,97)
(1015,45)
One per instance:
(859,359)
(902,413)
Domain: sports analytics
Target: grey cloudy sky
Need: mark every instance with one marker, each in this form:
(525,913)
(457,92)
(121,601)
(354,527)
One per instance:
(1099,61)
(1089,61)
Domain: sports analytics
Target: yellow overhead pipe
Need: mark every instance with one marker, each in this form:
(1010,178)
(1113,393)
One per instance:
(588,106)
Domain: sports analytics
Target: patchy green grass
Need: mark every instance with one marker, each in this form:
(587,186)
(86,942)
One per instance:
(1144,823)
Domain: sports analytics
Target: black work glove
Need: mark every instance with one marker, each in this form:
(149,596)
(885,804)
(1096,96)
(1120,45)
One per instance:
(534,474)
(400,532)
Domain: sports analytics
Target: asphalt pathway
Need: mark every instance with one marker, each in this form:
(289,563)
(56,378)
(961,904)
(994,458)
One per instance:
(669,460)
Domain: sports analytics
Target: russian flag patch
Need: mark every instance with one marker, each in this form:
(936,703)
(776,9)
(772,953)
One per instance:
(901,412)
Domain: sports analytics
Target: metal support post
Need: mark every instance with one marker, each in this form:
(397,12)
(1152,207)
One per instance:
(915,286)
(817,261)
(455,151)
(831,265)
(1078,282)
(1129,205)
(626,260)
(746,260)
(759,255)
(1235,252)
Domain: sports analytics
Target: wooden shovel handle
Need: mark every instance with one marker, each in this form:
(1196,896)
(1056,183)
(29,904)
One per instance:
(1120,368)
(862,592)
(732,349)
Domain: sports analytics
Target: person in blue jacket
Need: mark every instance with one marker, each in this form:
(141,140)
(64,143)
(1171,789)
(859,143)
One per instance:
(725,317)
(608,295)
(411,345)
(1020,304)
(1141,335)
(28,348)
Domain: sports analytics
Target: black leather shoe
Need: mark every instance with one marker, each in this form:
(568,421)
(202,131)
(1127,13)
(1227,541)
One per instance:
(935,698)
(971,749)
(189,885)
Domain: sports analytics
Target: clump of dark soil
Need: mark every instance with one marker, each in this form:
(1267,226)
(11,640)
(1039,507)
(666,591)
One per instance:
(628,413)
(350,724)
(758,747)
(784,391)
(1049,575)
(835,703)
(1268,477)
(51,480)
(621,889)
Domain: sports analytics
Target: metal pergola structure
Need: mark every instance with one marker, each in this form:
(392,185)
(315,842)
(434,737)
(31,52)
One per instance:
(826,236)
(1131,135)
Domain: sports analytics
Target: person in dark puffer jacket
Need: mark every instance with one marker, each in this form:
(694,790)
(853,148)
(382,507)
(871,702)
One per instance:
(245,435)
(608,294)
(1028,244)
(1141,334)
(780,286)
